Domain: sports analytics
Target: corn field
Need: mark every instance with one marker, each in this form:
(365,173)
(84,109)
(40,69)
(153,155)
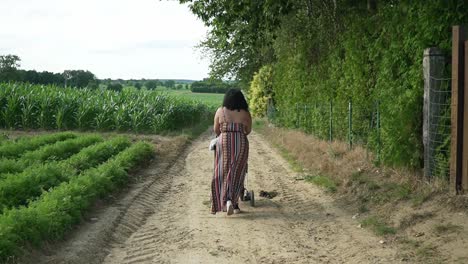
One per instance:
(25,106)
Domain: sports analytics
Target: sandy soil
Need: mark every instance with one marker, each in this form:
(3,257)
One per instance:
(166,219)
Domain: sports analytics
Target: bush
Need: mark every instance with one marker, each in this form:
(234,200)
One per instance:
(368,58)
(261,91)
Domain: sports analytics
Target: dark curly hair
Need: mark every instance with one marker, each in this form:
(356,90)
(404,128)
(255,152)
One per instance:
(235,100)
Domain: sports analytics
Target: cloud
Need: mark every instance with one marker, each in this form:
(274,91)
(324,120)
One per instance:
(144,38)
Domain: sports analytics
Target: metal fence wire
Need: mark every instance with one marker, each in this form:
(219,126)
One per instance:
(329,120)
(438,142)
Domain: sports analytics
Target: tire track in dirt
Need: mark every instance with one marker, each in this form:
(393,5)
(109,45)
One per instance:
(170,221)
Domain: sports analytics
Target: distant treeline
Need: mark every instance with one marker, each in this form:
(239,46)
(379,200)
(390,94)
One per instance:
(211,86)
(10,72)
(149,84)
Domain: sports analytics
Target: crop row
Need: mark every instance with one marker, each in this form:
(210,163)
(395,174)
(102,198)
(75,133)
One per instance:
(14,149)
(49,107)
(54,152)
(55,211)
(17,189)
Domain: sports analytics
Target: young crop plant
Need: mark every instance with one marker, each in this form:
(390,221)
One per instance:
(53,214)
(17,189)
(58,151)
(14,149)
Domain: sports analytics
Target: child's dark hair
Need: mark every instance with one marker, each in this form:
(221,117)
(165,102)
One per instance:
(235,100)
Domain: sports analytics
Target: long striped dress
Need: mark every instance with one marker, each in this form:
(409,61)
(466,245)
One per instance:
(231,154)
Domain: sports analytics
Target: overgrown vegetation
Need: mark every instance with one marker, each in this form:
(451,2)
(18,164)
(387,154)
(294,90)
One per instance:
(331,52)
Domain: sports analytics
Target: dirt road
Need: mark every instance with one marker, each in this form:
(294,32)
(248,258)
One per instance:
(168,220)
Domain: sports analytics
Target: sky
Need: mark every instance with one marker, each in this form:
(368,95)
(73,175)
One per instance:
(125,39)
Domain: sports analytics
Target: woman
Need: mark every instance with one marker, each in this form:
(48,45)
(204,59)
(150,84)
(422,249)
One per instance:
(232,123)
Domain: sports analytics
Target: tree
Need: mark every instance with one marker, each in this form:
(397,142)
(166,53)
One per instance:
(93,84)
(241,37)
(8,67)
(150,85)
(78,78)
(169,84)
(138,85)
(115,86)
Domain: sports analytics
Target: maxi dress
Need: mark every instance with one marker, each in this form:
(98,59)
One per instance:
(230,167)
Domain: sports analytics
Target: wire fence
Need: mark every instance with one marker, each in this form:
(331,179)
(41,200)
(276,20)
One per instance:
(344,121)
(359,124)
(439,130)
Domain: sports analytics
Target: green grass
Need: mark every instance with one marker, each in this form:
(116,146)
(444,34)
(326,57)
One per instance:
(258,124)
(378,226)
(211,99)
(322,181)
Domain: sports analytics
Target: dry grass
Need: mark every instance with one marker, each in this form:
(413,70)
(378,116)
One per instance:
(393,202)
(357,178)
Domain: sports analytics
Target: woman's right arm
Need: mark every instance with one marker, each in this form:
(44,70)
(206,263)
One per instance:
(248,127)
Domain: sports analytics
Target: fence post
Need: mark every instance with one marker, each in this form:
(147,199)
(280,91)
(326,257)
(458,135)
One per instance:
(350,123)
(315,121)
(456,140)
(465,125)
(297,115)
(306,116)
(331,122)
(378,133)
(433,67)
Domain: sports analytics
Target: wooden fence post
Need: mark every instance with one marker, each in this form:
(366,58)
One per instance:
(457,108)
(464,176)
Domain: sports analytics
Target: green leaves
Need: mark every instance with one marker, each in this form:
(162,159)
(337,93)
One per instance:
(57,209)
(349,53)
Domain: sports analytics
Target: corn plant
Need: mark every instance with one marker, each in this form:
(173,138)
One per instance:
(49,107)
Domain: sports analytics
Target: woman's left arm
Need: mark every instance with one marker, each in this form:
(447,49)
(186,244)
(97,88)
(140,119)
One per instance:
(216,128)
